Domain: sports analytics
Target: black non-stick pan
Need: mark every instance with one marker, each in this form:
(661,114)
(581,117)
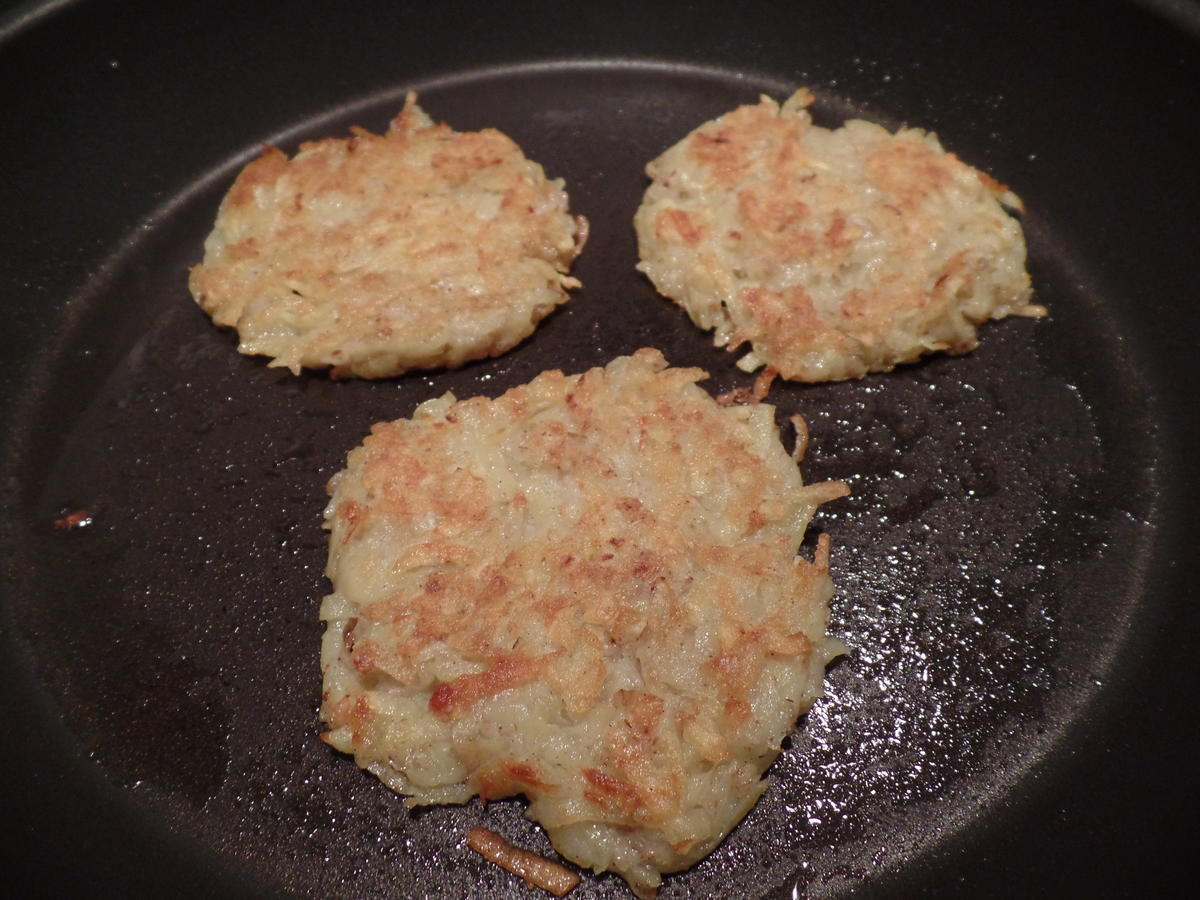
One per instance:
(1015,569)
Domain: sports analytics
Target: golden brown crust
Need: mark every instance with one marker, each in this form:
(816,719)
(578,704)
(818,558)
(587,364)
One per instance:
(586,591)
(833,253)
(420,248)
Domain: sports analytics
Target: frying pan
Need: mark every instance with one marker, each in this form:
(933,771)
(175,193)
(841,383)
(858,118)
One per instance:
(1015,569)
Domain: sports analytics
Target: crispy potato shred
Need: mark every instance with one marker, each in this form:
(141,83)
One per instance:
(748,396)
(79,518)
(536,870)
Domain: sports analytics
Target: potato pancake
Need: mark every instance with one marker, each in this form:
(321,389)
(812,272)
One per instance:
(587,591)
(833,253)
(420,248)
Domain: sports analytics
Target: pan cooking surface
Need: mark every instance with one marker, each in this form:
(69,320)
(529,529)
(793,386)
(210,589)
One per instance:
(988,564)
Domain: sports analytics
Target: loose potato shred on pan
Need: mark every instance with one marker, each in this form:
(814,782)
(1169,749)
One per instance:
(537,870)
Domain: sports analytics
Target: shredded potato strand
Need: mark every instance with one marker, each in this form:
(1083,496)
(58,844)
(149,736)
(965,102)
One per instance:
(537,870)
